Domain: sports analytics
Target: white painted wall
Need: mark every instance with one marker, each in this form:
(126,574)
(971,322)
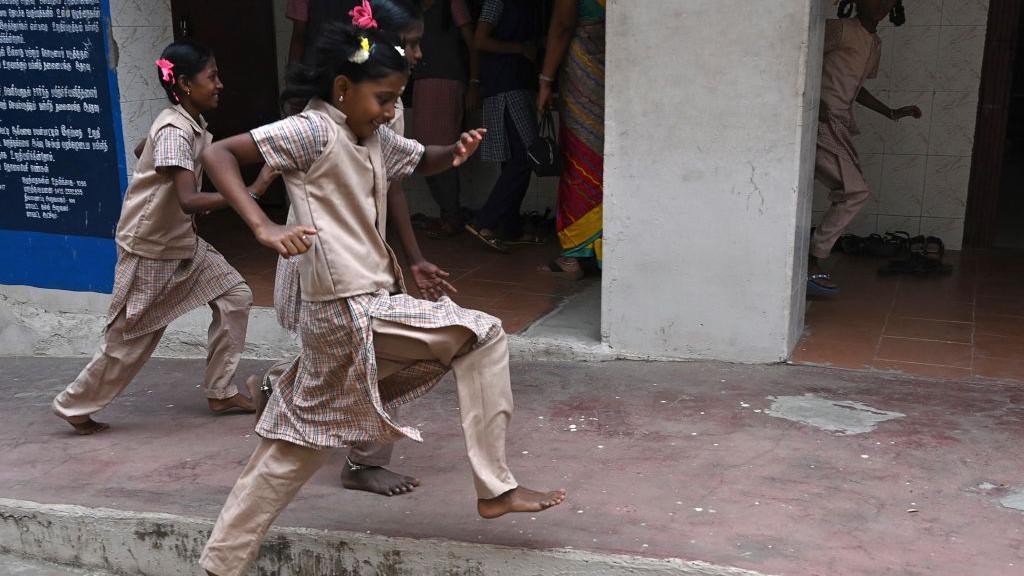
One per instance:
(708,160)
(141,30)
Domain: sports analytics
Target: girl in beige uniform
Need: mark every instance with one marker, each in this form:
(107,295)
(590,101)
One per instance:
(852,54)
(164,269)
(366,346)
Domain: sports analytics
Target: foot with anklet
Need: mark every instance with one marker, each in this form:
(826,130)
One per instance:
(376,479)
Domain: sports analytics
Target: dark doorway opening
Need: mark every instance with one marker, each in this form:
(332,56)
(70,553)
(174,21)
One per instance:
(1010,207)
(995,205)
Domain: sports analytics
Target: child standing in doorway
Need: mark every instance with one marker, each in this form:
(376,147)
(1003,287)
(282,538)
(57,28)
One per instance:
(852,54)
(164,269)
(366,346)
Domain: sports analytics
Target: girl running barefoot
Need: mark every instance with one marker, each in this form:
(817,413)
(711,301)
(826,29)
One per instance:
(366,346)
(164,270)
(366,465)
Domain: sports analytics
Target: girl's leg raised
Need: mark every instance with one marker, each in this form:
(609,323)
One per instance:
(485,402)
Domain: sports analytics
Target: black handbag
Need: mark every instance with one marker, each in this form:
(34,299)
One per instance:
(544,157)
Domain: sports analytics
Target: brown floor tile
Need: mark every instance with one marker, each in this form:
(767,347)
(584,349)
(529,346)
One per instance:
(847,315)
(989,346)
(938,289)
(925,352)
(1000,307)
(827,328)
(999,368)
(927,370)
(1011,326)
(849,353)
(931,310)
(929,329)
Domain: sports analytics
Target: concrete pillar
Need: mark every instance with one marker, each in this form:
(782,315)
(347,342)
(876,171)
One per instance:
(709,159)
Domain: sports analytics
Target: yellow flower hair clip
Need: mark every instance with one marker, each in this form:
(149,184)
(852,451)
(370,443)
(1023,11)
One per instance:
(363,54)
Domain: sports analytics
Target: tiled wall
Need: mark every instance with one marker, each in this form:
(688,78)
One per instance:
(141,29)
(918,170)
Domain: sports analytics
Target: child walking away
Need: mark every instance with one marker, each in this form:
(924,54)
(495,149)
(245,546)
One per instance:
(164,270)
(506,38)
(852,54)
(366,346)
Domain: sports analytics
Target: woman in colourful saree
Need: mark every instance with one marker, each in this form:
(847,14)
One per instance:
(577,36)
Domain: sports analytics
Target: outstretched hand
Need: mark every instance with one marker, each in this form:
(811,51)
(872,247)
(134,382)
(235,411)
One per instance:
(286,240)
(431,280)
(467,145)
(905,111)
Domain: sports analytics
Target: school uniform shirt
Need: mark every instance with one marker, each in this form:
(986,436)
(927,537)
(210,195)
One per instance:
(852,56)
(330,396)
(287,291)
(164,269)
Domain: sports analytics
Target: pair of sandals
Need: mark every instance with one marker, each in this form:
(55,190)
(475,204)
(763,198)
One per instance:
(923,257)
(495,243)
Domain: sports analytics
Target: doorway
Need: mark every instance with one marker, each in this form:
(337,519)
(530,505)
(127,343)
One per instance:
(995,204)
(241,35)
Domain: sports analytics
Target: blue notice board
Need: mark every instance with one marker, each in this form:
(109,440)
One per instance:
(62,155)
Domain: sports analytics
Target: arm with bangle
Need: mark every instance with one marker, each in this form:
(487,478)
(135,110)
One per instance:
(563,25)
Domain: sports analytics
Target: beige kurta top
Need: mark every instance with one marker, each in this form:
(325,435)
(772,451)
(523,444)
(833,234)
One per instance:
(152,223)
(331,394)
(852,55)
(163,269)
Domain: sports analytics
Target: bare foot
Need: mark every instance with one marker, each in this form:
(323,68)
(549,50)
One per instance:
(86,426)
(238,403)
(377,480)
(519,500)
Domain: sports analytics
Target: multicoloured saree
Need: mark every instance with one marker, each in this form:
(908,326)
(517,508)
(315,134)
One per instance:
(581,188)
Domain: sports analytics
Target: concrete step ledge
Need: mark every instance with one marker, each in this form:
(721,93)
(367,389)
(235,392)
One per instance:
(151,544)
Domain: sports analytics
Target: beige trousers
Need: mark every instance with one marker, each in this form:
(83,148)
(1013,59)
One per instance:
(278,469)
(848,195)
(118,360)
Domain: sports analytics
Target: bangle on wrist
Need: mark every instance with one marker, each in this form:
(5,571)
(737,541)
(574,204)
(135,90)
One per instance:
(546,78)
(474,80)
(254,196)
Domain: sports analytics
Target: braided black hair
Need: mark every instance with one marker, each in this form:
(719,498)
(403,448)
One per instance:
(898,15)
(332,58)
(189,59)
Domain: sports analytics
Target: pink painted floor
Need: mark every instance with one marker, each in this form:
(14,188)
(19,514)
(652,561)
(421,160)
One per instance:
(667,460)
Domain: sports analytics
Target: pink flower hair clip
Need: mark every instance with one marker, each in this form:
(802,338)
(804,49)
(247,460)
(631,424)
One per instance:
(166,70)
(362,16)
(167,74)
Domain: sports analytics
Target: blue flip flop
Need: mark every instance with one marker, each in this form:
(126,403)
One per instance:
(816,289)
